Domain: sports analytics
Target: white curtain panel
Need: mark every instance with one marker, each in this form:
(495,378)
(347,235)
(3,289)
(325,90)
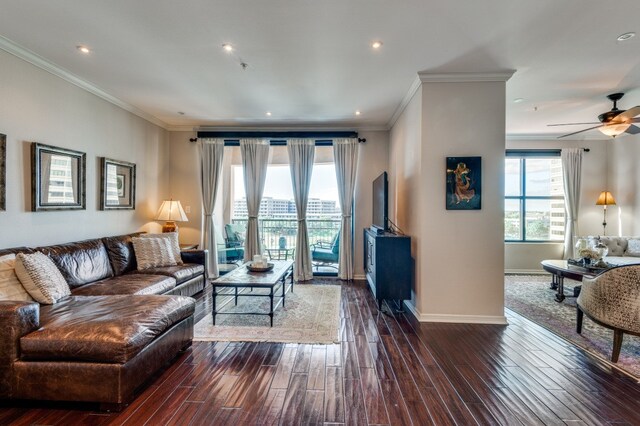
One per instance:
(572,172)
(301,155)
(255,159)
(345,153)
(211,154)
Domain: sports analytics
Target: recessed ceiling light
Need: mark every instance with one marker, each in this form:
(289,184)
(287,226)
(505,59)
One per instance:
(227,47)
(376,44)
(357,112)
(626,36)
(268,113)
(518,100)
(83,49)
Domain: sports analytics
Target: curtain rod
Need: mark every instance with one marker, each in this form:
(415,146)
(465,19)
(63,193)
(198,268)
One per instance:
(277,137)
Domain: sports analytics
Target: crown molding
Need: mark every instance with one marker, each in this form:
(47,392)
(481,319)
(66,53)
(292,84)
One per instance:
(46,65)
(182,128)
(464,77)
(415,85)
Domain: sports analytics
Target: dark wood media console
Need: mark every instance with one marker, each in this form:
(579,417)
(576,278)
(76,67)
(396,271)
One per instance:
(387,265)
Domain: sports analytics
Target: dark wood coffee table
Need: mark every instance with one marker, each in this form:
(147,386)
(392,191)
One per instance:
(561,269)
(243,278)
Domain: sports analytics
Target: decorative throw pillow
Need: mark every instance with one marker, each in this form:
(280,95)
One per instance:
(41,278)
(153,252)
(172,237)
(633,248)
(10,286)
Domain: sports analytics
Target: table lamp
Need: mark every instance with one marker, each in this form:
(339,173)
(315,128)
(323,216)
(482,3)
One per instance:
(605,199)
(171,211)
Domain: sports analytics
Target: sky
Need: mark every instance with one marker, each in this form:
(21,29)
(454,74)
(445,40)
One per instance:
(278,185)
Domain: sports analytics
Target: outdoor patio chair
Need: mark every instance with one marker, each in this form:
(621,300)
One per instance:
(612,300)
(234,235)
(228,253)
(326,254)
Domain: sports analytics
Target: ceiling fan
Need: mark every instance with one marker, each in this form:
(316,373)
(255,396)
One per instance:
(612,123)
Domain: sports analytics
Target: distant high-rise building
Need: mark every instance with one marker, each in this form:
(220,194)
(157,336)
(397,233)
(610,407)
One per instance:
(286,209)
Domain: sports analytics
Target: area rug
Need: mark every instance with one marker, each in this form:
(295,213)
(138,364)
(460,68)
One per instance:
(311,315)
(531,297)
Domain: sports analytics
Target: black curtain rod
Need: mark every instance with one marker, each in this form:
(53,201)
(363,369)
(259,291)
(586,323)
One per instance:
(277,138)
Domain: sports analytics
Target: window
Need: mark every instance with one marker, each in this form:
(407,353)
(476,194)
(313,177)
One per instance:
(534,196)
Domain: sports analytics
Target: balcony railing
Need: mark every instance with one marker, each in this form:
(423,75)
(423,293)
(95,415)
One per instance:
(271,230)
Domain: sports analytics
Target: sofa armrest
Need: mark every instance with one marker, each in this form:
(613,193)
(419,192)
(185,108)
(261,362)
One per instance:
(195,256)
(17,319)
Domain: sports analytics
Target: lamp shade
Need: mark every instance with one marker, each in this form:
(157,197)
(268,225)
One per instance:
(605,199)
(615,129)
(171,210)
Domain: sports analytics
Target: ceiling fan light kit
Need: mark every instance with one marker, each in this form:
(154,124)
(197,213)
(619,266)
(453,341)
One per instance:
(614,122)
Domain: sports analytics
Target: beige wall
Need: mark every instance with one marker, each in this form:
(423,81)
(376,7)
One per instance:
(185,184)
(405,181)
(526,257)
(459,255)
(624,181)
(38,106)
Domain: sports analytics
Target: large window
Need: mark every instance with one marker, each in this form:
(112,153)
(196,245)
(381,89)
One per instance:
(534,196)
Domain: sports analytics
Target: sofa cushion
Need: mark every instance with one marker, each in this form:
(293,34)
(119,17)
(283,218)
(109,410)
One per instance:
(110,329)
(127,284)
(622,260)
(41,278)
(82,262)
(121,254)
(181,273)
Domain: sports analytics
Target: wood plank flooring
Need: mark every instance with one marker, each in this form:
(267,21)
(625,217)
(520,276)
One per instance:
(387,370)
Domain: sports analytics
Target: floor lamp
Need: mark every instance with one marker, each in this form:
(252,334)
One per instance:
(605,199)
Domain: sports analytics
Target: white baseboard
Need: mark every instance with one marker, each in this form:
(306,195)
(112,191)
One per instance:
(525,271)
(460,319)
(359,277)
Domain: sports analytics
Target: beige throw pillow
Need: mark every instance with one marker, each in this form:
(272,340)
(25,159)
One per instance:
(10,286)
(41,278)
(633,248)
(172,237)
(153,252)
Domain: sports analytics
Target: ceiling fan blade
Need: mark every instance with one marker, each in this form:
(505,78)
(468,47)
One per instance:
(575,133)
(628,114)
(571,124)
(633,130)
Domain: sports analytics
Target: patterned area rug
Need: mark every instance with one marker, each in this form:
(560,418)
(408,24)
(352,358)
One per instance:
(530,296)
(311,315)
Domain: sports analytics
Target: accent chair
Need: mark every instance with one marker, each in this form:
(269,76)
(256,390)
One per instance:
(612,300)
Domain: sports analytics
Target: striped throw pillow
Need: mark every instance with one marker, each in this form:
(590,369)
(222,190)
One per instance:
(172,237)
(41,278)
(153,252)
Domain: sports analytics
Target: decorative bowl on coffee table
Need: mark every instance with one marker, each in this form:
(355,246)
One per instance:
(252,268)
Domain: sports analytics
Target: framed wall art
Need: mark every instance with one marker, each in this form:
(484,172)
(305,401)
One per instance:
(58,178)
(464,183)
(3,172)
(117,185)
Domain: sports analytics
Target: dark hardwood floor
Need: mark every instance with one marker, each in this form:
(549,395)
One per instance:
(386,370)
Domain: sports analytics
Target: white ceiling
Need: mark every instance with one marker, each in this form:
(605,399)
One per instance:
(311,64)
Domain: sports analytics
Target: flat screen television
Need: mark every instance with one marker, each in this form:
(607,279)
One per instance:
(380,217)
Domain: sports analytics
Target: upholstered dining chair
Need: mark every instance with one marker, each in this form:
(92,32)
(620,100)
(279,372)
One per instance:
(612,300)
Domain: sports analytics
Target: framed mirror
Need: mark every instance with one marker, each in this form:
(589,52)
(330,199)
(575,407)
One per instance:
(58,178)
(3,172)
(117,185)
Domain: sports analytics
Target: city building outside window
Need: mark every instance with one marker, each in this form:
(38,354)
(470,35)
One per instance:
(534,197)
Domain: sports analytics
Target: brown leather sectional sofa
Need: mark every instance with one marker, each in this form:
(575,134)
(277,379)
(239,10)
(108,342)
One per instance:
(118,327)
